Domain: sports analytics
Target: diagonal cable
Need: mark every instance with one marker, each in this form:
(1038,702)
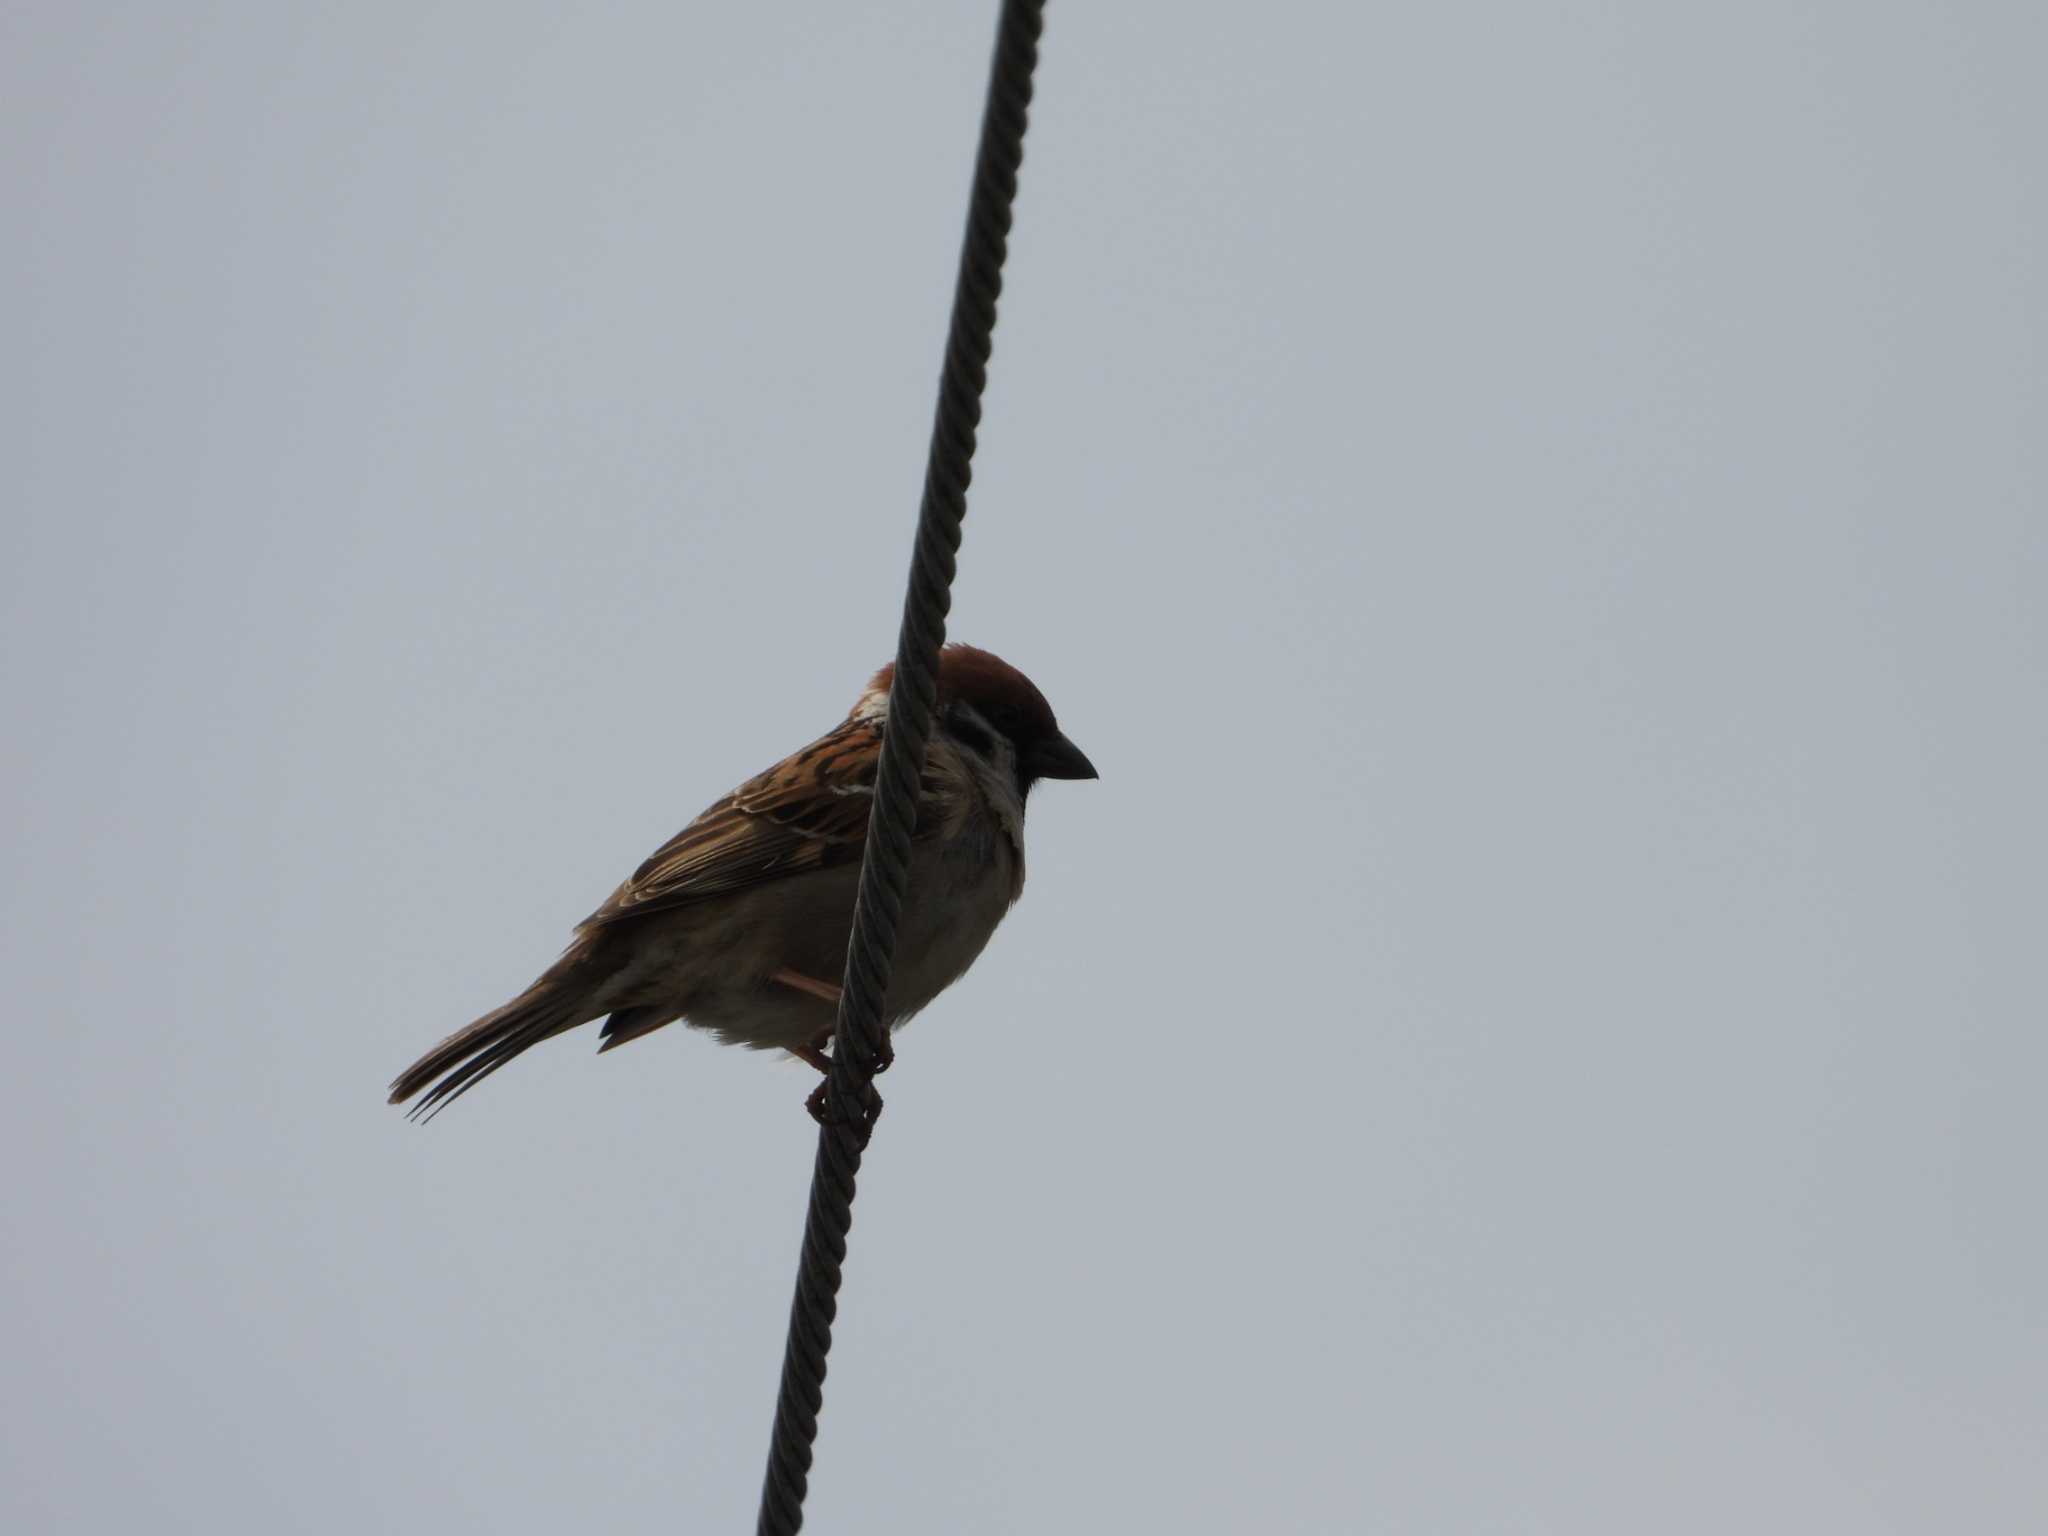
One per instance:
(860,1039)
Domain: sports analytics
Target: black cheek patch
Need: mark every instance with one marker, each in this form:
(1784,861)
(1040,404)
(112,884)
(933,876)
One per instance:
(974,738)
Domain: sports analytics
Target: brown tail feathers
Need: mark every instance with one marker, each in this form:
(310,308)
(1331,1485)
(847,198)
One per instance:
(560,1000)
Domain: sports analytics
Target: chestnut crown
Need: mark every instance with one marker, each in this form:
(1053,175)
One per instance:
(998,695)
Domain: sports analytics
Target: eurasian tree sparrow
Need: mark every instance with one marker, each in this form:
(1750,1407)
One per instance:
(739,923)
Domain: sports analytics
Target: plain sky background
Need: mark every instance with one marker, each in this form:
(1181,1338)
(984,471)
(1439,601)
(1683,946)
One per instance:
(1539,512)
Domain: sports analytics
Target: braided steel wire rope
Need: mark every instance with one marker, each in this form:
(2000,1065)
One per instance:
(860,1038)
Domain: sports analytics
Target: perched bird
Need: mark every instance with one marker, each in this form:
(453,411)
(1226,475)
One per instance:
(739,923)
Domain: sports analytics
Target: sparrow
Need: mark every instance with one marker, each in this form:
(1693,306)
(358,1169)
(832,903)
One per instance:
(739,923)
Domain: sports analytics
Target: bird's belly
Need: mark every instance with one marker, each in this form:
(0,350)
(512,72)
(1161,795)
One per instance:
(958,894)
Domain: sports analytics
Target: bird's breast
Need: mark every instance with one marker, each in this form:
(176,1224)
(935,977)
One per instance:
(960,887)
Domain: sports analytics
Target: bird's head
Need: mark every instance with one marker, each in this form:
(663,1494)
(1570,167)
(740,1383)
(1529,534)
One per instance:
(984,701)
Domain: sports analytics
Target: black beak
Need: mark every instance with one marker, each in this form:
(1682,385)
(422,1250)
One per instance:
(1058,758)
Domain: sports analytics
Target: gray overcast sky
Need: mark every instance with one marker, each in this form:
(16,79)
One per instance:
(1540,514)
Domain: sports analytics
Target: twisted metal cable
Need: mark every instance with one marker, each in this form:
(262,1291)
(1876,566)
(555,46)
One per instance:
(860,1039)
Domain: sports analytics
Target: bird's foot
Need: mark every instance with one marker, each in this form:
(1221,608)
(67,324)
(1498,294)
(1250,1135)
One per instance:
(882,1060)
(865,1119)
(814,1053)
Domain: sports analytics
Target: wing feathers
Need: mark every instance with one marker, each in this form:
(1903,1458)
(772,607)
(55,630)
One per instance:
(809,811)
